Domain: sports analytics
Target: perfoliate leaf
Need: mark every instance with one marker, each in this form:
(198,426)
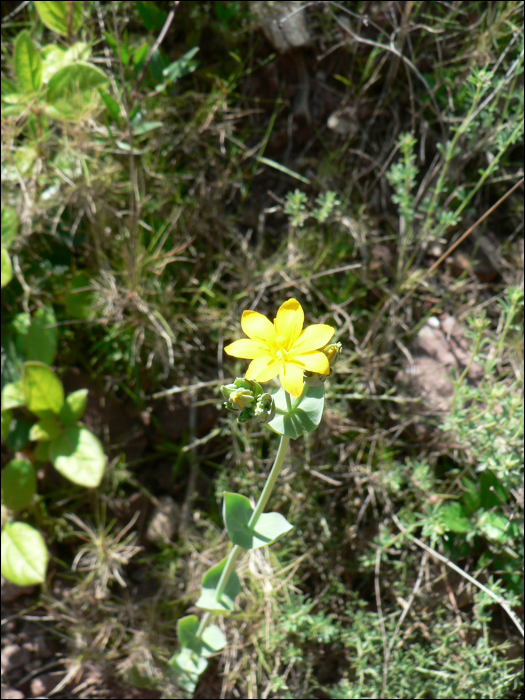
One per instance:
(208,598)
(211,641)
(302,419)
(237,512)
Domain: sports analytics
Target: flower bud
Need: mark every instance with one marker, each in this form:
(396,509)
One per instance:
(264,410)
(332,352)
(246,397)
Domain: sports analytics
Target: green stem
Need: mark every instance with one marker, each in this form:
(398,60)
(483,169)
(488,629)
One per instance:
(259,508)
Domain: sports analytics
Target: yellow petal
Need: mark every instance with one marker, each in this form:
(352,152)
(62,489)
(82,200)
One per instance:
(289,321)
(258,327)
(292,378)
(312,338)
(313,362)
(246,349)
(263,369)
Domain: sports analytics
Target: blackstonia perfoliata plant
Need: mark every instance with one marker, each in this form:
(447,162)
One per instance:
(302,359)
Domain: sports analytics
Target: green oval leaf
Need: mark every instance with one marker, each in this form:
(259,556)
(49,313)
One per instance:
(28,63)
(43,390)
(21,324)
(18,436)
(9,226)
(74,407)
(7,417)
(78,455)
(45,430)
(75,83)
(208,599)
(237,512)
(42,339)
(63,18)
(13,395)
(79,297)
(301,419)
(24,554)
(42,452)
(18,484)
(7,268)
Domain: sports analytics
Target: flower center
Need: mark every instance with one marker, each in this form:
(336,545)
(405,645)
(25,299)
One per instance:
(281,353)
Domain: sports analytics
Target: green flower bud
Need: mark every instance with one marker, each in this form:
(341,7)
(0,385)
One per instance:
(242,396)
(264,410)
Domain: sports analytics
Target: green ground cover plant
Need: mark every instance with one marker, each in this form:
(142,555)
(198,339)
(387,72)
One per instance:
(169,166)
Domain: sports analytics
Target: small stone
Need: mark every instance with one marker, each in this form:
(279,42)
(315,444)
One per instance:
(44,684)
(164,521)
(9,693)
(42,647)
(14,656)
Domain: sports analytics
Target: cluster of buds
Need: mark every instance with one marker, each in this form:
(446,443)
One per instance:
(332,352)
(248,399)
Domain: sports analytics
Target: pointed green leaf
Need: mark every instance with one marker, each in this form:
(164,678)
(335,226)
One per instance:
(78,455)
(24,554)
(18,484)
(79,297)
(208,598)
(42,389)
(13,395)
(302,419)
(64,18)
(7,417)
(74,407)
(42,339)
(237,512)
(111,106)
(45,430)
(181,67)
(73,79)
(495,526)
(7,268)
(9,226)
(152,17)
(28,63)
(454,517)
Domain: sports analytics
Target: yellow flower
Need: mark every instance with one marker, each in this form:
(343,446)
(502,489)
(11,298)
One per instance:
(282,348)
